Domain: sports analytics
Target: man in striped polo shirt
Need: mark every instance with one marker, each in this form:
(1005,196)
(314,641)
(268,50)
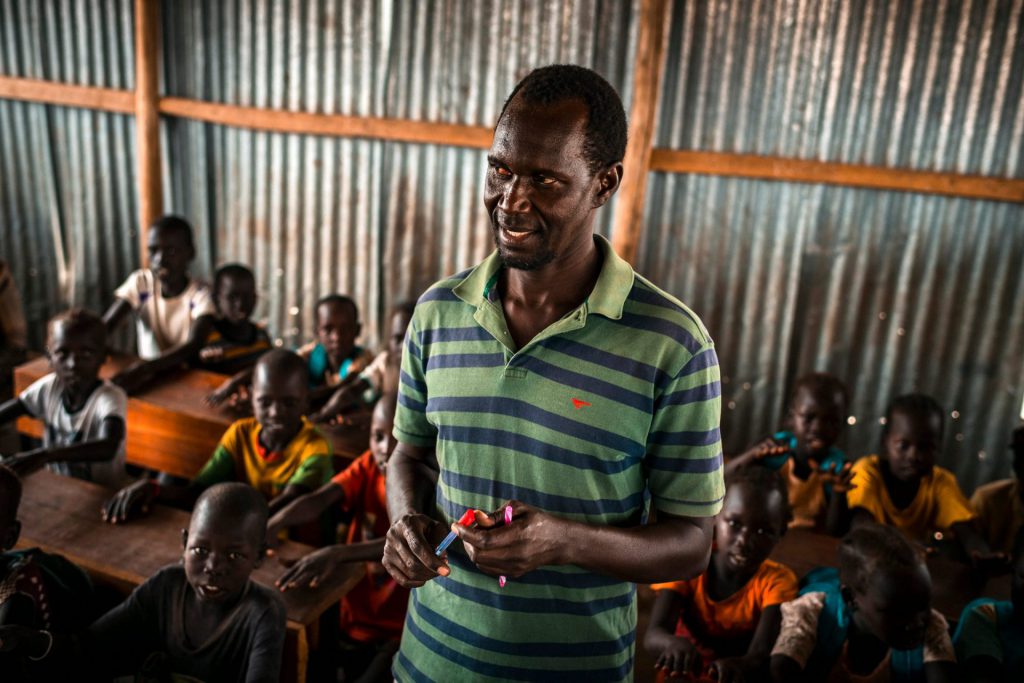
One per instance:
(554,379)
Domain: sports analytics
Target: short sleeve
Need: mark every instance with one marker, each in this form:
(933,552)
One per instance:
(411,424)
(868,489)
(684,588)
(36,397)
(353,480)
(979,634)
(374,373)
(130,291)
(267,648)
(202,303)
(218,469)
(113,402)
(304,352)
(314,471)
(778,586)
(798,635)
(953,506)
(684,445)
(127,628)
(938,647)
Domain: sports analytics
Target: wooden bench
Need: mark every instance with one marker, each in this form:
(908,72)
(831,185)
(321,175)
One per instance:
(62,515)
(169,427)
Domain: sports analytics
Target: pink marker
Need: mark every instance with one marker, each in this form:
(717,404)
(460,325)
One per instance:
(508,520)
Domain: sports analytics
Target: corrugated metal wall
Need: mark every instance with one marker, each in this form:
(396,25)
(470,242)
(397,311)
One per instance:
(67,176)
(892,292)
(378,220)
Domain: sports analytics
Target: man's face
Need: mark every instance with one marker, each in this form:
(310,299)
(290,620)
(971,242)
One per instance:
(539,192)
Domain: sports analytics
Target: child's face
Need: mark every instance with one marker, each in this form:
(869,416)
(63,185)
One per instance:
(169,254)
(75,358)
(220,554)
(279,400)
(382,441)
(815,421)
(895,607)
(911,444)
(236,298)
(749,526)
(336,329)
(399,323)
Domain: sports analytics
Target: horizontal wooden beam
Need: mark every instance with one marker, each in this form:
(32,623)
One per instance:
(829,173)
(67,95)
(399,130)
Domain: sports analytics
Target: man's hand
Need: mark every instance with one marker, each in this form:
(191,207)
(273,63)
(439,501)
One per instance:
(315,569)
(680,658)
(409,550)
(533,539)
(128,502)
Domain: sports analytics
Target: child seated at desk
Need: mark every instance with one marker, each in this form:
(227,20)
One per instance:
(380,377)
(165,300)
(904,488)
(37,590)
(204,618)
(721,625)
(83,416)
(989,638)
(225,342)
(999,505)
(278,452)
(373,613)
(805,453)
(872,620)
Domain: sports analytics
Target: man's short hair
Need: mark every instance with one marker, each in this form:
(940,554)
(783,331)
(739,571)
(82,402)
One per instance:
(605,142)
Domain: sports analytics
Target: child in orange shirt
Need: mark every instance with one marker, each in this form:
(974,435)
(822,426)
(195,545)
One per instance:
(804,452)
(722,624)
(372,614)
(904,488)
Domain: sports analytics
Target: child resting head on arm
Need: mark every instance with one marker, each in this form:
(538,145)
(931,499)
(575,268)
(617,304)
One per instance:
(904,488)
(989,637)
(804,452)
(278,451)
(723,622)
(84,416)
(870,618)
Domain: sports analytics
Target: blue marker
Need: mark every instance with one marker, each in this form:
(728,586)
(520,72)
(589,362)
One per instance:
(468,517)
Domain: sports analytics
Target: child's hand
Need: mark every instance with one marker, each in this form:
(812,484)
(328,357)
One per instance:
(128,501)
(680,659)
(314,570)
(728,670)
(990,562)
(765,448)
(840,478)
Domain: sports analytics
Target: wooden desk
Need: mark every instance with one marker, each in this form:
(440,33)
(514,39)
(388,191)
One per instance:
(62,515)
(954,584)
(169,428)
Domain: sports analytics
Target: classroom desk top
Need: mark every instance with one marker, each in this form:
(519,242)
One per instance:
(954,584)
(62,515)
(169,427)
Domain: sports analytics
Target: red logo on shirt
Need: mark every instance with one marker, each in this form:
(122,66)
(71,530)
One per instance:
(579,403)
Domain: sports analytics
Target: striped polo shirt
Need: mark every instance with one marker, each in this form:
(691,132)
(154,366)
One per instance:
(613,406)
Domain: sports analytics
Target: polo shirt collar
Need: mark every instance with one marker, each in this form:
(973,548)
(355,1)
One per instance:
(613,285)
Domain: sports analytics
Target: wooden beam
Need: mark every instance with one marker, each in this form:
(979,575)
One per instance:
(830,173)
(67,95)
(651,44)
(424,132)
(147,118)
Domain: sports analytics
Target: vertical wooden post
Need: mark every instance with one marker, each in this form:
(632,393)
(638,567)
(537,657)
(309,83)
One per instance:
(147,118)
(652,40)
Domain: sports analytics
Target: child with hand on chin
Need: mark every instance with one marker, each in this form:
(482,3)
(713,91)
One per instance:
(721,625)
(804,453)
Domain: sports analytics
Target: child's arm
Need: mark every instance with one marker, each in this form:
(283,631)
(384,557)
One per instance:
(785,669)
(135,499)
(304,509)
(754,664)
(322,566)
(838,517)
(11,410)
(116,314)
(134,378)
(290,493)
(104,448)
(676,656)
(345,395)
(977,548)
(763,449)
(230,387)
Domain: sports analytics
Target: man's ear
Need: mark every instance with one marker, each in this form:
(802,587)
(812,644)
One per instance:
(184,538)
(608,182)
(13,532)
